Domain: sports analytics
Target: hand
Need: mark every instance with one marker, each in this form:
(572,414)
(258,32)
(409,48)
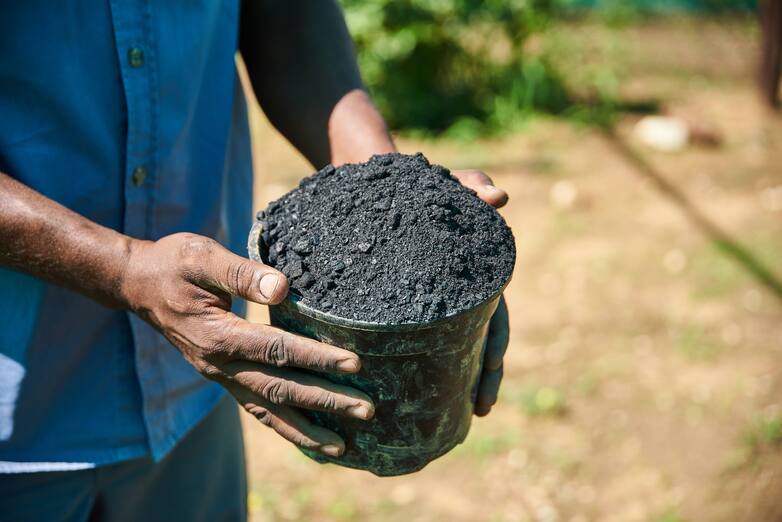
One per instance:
(182,285)
(483,186)
(491,374)
(497,342)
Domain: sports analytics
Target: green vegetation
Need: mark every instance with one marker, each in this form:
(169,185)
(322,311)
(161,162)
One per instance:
(669,516)
(763,433)
(695,344)
(716,275)
(466,68)
(543,401)
(455,65)
(766,430)
(343,508)
(480,447)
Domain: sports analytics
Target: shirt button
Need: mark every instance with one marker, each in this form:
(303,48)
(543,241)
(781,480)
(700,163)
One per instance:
(139,175)
(136,57)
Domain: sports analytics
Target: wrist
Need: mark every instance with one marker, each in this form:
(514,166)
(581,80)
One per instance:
(125,284)
(357,131)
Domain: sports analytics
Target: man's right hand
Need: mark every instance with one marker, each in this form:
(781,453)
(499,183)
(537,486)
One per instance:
(182,284)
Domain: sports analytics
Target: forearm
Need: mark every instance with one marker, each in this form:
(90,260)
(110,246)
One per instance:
(44,239)
(303,70)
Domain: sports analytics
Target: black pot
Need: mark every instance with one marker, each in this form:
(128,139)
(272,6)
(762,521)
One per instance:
(421,377)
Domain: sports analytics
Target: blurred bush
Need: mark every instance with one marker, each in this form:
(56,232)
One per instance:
(470,67)
(704,6)
(454,65)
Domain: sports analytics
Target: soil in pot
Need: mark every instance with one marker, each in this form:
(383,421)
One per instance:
(394,240)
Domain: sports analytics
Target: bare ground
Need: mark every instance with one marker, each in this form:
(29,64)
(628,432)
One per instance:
(644,376)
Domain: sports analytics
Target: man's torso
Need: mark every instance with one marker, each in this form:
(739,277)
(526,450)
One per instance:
(129,113)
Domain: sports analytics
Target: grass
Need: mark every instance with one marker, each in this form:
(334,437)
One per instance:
(695,344)
(261,500)
(480,447)
(587,383)
(715,276)
(544,401)
(343,508)
(669,515)
(765,431)
(763,434)
(718,275)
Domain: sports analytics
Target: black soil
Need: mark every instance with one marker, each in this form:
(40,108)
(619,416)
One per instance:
(394,240)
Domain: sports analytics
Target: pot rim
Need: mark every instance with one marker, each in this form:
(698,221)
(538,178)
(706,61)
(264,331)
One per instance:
(294,299)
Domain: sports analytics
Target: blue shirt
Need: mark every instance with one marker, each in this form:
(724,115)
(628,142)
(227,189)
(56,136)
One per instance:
(130,113)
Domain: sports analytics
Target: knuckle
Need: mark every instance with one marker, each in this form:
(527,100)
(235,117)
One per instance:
(275,391)
(474,176)
(327,401)
(211,372)
(275,351)
(263,415)
(218,344)
(193,249)
(302,440)
(239,277)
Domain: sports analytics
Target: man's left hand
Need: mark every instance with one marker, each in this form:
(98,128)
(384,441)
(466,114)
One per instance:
(497,342)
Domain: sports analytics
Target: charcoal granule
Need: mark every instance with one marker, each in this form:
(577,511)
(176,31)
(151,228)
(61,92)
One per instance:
(393,240)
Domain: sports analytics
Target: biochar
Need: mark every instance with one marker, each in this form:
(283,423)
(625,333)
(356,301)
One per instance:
(393,240)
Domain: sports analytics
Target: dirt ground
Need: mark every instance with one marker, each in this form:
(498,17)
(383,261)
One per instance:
(644,376)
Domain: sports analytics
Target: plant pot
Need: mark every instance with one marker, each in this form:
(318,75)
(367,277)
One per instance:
(422,378)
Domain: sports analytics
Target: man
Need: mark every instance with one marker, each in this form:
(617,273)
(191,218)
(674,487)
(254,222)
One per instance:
(125,164)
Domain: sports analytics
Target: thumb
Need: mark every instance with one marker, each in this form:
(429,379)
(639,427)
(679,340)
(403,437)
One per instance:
(243,277)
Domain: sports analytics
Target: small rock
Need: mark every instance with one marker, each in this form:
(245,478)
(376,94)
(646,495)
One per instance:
(663,133)
(306,280)
(374,174)
(302,247)
(563,194)
(295,269)
(383,205)
(394,220)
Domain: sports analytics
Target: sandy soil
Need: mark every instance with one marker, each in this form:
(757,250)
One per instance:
(644,376)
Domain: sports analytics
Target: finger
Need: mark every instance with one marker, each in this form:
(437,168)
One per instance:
(291,388)
(487,391)
(483,186)
(213,266)
(276,347)
(497,342)
(291,425)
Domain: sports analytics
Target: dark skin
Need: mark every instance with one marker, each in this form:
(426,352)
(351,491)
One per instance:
(308,84)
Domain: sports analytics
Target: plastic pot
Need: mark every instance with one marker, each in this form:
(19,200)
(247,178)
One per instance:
(421,377)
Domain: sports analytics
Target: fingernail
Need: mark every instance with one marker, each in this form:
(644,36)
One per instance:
(268,285)
(490,187)
(332,450)
(348,365)
(362,411)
